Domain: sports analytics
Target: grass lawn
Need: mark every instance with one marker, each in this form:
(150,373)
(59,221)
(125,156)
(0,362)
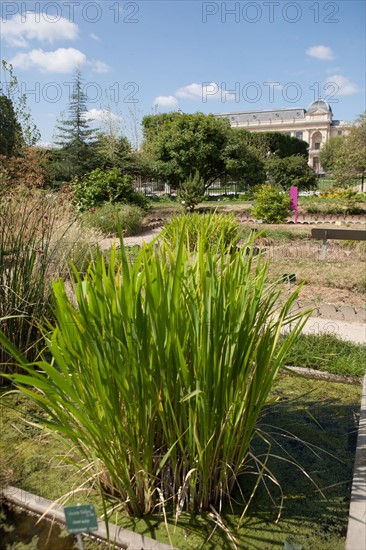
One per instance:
(311,426)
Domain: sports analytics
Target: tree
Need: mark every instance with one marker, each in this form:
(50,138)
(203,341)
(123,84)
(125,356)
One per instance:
(243,162)
(10,130)
(182,144)
(17,129)
(329,153)
(266,143)
(77,154)
(350,162)
(288,171)
(113,151)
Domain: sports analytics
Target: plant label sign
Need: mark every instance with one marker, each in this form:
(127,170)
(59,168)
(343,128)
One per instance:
(81,518)
(289,277)
(294,192)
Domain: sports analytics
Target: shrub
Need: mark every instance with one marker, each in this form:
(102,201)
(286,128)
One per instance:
(271,204)
(219,229)
(27,169)
(163,367)
(337,200)
(191,191)
(104,218)
(108,186)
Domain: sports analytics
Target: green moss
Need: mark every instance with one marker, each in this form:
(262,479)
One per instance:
(312,427)
(328,352)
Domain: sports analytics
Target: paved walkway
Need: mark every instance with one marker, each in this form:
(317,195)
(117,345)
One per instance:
(355,332)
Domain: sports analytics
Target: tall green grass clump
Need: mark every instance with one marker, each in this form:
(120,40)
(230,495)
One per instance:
(36,242)
(160,369)
(26,227)
(218,229)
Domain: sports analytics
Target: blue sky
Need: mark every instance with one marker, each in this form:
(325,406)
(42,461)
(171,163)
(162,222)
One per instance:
(210,56)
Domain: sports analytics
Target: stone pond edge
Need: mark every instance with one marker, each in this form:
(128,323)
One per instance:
(120,538)
(356,532)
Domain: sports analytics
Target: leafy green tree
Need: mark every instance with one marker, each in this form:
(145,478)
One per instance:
(329,152)
(181,144)
(27,133)
(10,130)
(271,204)
(113,151)
(288,171)
(243,162)
(350,163)
(77,154)
(266,143)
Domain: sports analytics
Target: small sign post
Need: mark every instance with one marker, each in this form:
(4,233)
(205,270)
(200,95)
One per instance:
(294,192)
(80,519)
(289,278)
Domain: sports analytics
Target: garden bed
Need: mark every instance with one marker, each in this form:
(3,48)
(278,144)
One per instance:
(322,420)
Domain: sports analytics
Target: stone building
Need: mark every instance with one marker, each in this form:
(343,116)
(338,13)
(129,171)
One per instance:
(315,125)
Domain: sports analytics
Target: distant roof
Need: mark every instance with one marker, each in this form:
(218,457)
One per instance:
(319,105)
(254,116)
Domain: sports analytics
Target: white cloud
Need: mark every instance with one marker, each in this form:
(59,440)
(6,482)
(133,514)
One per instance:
(63,60)
(94,37)
(324,53)
(343,85)
(166,101)
(18,30)
(102,115)
(204,91)
(333,70)
(99,67)
(273,84)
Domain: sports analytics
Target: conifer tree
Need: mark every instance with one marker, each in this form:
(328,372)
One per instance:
(77,154)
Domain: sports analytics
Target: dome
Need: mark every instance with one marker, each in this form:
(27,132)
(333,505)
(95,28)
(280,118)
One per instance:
(319,105)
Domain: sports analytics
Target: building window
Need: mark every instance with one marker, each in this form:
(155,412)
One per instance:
(317,145)
(299,135)
(286,133)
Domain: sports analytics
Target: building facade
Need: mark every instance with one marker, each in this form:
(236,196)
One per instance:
(315,125)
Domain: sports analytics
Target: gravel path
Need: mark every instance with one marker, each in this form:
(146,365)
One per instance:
(146,237)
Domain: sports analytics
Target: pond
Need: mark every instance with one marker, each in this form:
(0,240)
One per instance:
(20,530)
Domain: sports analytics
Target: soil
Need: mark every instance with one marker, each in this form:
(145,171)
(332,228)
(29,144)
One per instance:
(340,280)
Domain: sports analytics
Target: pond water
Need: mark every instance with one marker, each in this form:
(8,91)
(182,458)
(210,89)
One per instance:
(20,531)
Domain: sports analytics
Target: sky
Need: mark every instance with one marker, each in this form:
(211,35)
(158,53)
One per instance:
(145,57)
